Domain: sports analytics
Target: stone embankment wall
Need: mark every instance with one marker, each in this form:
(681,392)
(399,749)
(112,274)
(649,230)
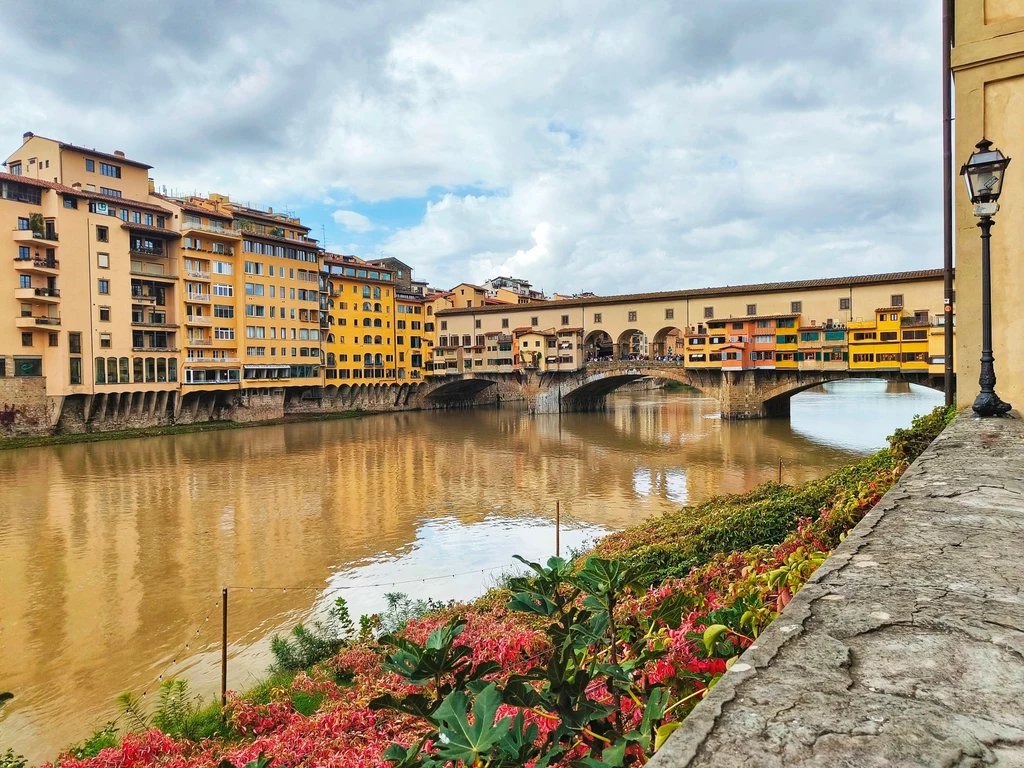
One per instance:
(907,646)
(24,407)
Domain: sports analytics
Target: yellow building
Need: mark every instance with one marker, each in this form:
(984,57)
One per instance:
(375,330)
(988,72)
(151,298)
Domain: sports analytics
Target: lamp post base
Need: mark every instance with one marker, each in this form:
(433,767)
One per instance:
(989,404)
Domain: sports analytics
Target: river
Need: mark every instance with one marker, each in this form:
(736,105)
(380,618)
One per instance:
(112,555)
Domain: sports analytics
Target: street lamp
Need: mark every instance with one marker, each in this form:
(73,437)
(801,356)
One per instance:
(983,173)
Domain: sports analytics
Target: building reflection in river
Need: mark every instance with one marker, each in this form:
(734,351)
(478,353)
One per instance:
(113,553)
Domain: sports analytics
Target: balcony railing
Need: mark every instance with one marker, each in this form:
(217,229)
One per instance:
(47,234)
(147,250)
(153,324)
(200,342)
(911,322)
(197,320)
(212,229)
(54,292)
(198,274)
(47,321)
(154,349)
(40,263)
(213,360)
(201,297)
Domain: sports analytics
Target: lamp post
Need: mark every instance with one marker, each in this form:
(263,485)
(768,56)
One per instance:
(983,173)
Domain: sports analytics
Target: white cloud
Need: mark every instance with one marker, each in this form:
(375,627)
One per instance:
(352,221)
(593,145)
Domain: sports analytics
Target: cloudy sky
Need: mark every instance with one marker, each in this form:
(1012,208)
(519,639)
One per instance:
(604,146)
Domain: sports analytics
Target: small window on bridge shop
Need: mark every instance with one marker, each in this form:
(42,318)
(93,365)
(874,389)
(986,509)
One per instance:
(894,317)
(467,341)
(834,335)
(697,358)
(896,300)
(631,317)
(504,322)
(475,325)
(597,317)
(887,357)
(888,336)
(670,314)
(844,304)
(764,323)
(737,326)
(914,335)
(809,336)
(717,339)
(709,312)
(796,307)
(716,357)
(864,358)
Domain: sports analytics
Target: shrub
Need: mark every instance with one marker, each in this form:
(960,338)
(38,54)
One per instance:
(308,646)
(908,444)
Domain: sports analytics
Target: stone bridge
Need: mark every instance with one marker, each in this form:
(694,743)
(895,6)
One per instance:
(745,394)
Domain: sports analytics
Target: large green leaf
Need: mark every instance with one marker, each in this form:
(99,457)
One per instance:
(460,740)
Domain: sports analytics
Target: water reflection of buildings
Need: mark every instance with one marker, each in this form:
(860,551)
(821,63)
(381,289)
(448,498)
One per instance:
(113,552)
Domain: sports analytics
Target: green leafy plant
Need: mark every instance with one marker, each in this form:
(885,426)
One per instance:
(11,759)
(179,713)
(306,646)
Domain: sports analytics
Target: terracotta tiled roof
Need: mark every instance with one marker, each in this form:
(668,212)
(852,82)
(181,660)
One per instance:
(249,213)
(523,329)
(728,290)
(108,156)
(569,330)
(155,230)
(308,243)
(124,202)
(746,318)
(890,309)
(204,211)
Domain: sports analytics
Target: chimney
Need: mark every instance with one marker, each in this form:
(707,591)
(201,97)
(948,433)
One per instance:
(152,186)
(119,153)
(26,136)
(77,185)
(270,210)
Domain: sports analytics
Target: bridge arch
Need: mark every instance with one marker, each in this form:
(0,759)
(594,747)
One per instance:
(598,345)
(631,342)
(667,341)
(458,391)
(600,383)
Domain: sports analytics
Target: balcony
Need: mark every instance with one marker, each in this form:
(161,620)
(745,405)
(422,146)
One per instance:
(155,349)
(213,361)
(197,274)
(28,236)
(151,324)
(198,298)
(915,322)
(209,228)
(197,320)
(43,295)
(200,343)
(30,321)
(37,266)
(145,250)
(136,272)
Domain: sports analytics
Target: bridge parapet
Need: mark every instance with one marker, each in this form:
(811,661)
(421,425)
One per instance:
(907,645)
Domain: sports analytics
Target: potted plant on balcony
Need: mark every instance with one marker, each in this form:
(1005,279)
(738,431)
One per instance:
(36,224)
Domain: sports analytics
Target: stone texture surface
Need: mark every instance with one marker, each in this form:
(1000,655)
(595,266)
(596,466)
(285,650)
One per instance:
(907,646)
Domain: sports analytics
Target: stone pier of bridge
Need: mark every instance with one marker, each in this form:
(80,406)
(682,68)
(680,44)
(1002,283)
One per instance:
(906,648)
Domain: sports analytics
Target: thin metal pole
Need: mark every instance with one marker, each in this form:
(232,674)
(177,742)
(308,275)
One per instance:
(558,528)
(947,205)
(780,470)
(224,648)
(987,402)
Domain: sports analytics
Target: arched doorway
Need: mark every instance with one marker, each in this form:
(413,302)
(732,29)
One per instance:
(632,345)
(668,342)
(598,346)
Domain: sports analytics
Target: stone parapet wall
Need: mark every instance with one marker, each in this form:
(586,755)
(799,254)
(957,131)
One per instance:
(907,646)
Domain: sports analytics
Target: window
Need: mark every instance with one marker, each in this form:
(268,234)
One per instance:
(597,317)
(444,325)
(110,170)
(844,303)
(896,300)
(24,281)
(54,338)
(223,268)
(888,336)
(110,192)
(137,219)
(149,219)
(670,314)
(751,309)
(75,370)
(103,260)
(105,341)
(75,343)
(103,286)
(102,234)
(631,317)
(23,223)
(223,310)
(224,334)
(709,312)
(894,317)
(15,169)
(565,319)
(71,202)
(26,338)
(504,322)
(796,307)
(90,166)
(809,336)
(222,289)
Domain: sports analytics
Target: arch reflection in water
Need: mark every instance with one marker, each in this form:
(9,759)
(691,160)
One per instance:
(113,551)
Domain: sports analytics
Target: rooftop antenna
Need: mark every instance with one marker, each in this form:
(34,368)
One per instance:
(323,229)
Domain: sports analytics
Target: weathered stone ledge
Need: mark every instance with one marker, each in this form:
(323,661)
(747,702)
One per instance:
(907,646)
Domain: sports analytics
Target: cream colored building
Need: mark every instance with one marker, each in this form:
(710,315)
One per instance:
(988,69)
(645,325)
